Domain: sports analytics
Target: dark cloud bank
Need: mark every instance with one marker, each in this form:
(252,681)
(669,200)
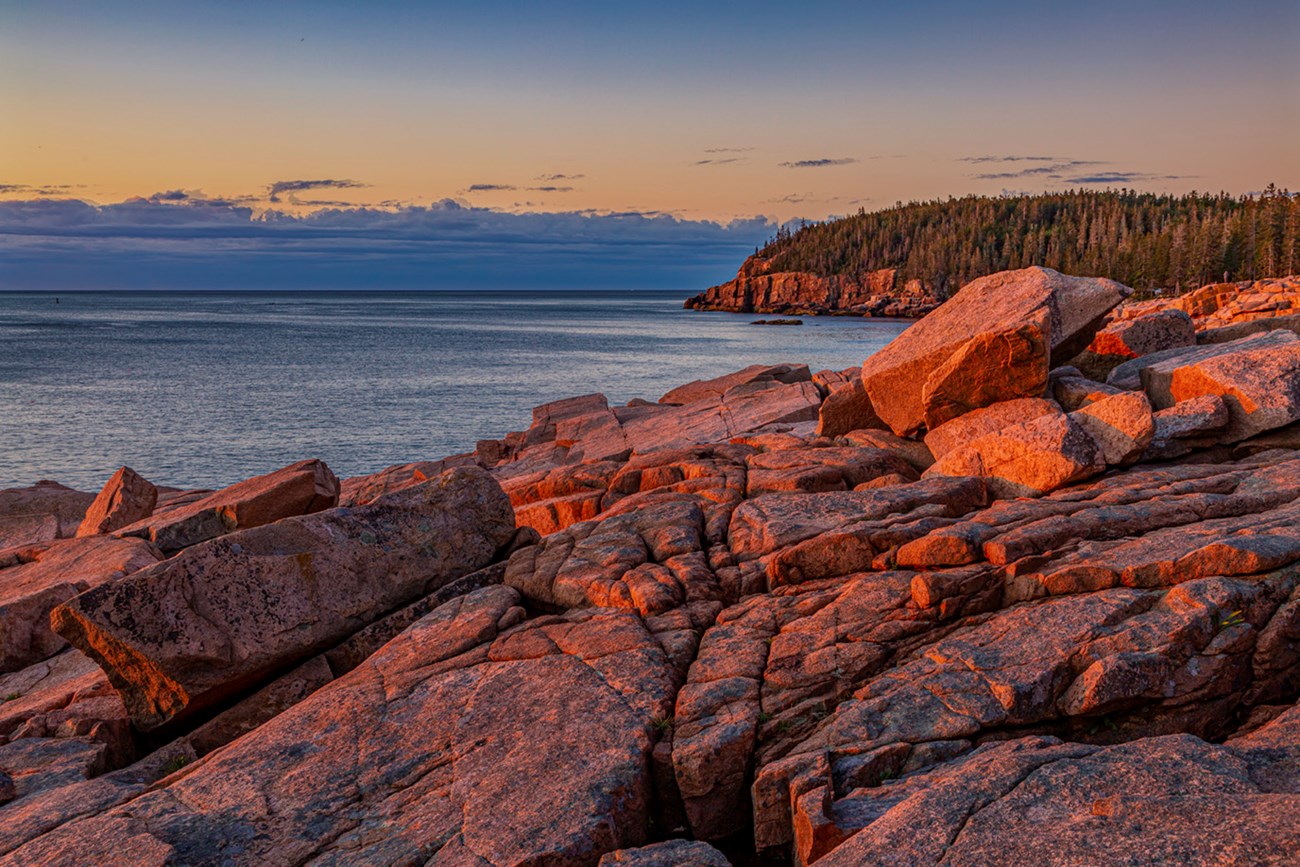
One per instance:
(176,240)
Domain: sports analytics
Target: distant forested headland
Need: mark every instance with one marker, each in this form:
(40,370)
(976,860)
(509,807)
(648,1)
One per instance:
(1144,240)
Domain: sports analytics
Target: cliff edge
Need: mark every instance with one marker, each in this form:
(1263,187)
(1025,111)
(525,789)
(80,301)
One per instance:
(757,288)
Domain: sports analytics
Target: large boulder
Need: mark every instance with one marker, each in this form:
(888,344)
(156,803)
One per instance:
(126,498)
(956,359)
(228,614)
(48,576)
(1186,426)
(1132,375)
(1259,383)
(298,489)
(1027,459)
(957,433)
(1121,424)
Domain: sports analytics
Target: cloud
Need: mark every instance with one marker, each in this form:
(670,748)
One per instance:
(791,199)
(40,189)
(1008,159)
(818,163)
(719,162)
(551,189)
(1122,178)
(727,150)
(550,178)
(490,188)
(275,189)
(196,243)
(1054,171)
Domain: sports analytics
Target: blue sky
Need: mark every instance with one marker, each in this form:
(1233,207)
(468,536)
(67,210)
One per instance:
(714,121)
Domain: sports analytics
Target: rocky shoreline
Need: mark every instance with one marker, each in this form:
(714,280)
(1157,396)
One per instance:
(1024,588)
(758,288)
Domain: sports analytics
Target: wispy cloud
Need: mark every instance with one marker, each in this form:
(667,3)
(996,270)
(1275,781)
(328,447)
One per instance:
(1009,158)
(39,189)
(558,177)
(198,198)
(551,189)
(719,162)
(791,199)
(1123,178)
(489,188)
(817,163)
(276,189)
(1055,171)
(727,150)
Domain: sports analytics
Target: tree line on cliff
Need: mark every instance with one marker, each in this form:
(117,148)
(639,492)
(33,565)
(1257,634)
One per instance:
(1145,240)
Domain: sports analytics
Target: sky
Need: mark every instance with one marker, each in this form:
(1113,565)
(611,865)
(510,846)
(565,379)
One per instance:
(591,143)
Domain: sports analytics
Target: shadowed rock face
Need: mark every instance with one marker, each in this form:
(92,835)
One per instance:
(41,513)
(455,742)
(224,614)
(46,577)
(1162,800)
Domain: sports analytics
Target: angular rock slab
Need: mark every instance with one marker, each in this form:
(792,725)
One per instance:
(40,513)
(1160,800)
(847,408)
(899,376)
(1028,459)
(298,489)
(126,498)
(670,853)
(462,741)
(703,389)
(31,590)
(223,616)
(1259,384)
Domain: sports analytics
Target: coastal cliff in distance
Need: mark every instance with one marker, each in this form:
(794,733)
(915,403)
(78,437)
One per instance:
(905,260)
(757,288)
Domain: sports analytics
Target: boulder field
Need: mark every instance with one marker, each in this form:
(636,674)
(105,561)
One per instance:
(973,603)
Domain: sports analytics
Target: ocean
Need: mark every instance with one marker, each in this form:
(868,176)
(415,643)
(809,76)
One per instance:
(205,389)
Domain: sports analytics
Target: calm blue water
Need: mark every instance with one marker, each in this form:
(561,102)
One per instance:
(205,389)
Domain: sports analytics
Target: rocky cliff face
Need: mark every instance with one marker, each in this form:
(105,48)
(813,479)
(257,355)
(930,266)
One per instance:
(963,605)
(759,289)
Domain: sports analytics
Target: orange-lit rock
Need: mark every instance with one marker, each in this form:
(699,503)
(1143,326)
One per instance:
(1260,384)
(712,388)
(298,489)
(846,409)
(1125,339)
(961,431)
(1027,459)
(126,498)
(981,318)
(828,469)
